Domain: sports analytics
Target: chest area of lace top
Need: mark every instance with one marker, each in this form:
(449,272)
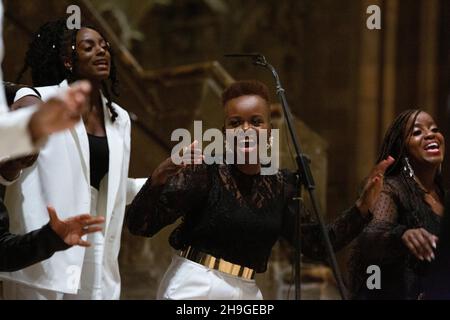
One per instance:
(254,218)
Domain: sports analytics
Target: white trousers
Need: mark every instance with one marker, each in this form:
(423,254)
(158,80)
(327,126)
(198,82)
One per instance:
(91,273)
(188,280)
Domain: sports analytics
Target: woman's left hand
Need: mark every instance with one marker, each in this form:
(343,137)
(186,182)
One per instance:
(373,186)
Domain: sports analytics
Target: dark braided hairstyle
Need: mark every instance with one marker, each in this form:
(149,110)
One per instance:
(394,144)
(45,57)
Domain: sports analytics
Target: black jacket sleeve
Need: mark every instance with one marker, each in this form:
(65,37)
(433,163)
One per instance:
(341,231)
(21,251)
(154,208)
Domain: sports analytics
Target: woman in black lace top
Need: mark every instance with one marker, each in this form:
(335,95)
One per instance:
(233,215)
(402,236)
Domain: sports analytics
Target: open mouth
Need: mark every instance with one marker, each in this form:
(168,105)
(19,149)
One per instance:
(247,145)
(432,147)
(102,63)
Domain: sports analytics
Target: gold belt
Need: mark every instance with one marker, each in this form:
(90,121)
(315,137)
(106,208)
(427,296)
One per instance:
(221,265)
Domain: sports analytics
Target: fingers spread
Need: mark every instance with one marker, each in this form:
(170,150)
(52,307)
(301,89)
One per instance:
(91,230)
(83,218)
(92,221)
(52,213)
(83,243)
(380,168)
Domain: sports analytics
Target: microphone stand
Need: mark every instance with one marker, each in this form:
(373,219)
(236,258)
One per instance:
(305,178)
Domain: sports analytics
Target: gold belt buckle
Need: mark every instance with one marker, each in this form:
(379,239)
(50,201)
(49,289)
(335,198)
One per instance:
(221,265)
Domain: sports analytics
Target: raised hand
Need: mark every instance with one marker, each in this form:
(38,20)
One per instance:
(73,229)
(373,186)
(191,155)
(61,112)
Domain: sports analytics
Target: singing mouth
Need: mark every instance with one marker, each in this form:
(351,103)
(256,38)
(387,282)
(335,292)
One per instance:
(247,143)
(433,146)
(101,62)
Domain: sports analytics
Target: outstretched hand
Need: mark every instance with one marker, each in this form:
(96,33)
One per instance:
(191,155)
(373,186)
(73,229)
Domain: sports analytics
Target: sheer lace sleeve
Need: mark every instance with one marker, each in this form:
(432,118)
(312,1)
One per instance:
(341,232)
(381,240)
(155,208)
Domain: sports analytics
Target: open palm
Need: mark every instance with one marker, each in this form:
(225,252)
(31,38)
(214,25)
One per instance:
(72,230)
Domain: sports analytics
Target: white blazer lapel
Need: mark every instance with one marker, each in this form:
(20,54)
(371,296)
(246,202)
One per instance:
(80,136)
(115,145)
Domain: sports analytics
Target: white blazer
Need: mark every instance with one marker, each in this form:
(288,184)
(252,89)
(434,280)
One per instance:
(60,177)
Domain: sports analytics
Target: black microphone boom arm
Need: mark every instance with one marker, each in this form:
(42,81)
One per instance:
(304,177)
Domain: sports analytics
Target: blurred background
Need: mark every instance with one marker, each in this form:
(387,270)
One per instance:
(344,82)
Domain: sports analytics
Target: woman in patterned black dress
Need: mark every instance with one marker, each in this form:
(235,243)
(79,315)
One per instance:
(402,237)
(232,215)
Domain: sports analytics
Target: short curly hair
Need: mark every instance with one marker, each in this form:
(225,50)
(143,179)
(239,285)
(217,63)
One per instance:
(246,88)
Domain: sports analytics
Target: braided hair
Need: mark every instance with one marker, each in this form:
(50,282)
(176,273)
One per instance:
(45,57)
(394,144)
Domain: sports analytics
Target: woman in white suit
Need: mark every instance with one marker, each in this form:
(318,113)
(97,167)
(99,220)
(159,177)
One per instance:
(24,131)
(80,170)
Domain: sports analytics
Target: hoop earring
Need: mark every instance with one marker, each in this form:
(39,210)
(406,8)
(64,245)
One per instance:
(408,169)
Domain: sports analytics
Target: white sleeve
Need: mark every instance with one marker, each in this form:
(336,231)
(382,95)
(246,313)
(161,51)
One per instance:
(23,92)
(15,139)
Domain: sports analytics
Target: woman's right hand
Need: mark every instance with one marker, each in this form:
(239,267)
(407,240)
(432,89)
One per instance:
(191,155)
(373,186)
(421,243)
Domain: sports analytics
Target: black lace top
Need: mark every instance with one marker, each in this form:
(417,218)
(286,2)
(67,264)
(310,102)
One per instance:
(239,222)
(380,244)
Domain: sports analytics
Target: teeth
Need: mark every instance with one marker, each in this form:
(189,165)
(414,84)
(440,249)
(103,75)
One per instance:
(433,145)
